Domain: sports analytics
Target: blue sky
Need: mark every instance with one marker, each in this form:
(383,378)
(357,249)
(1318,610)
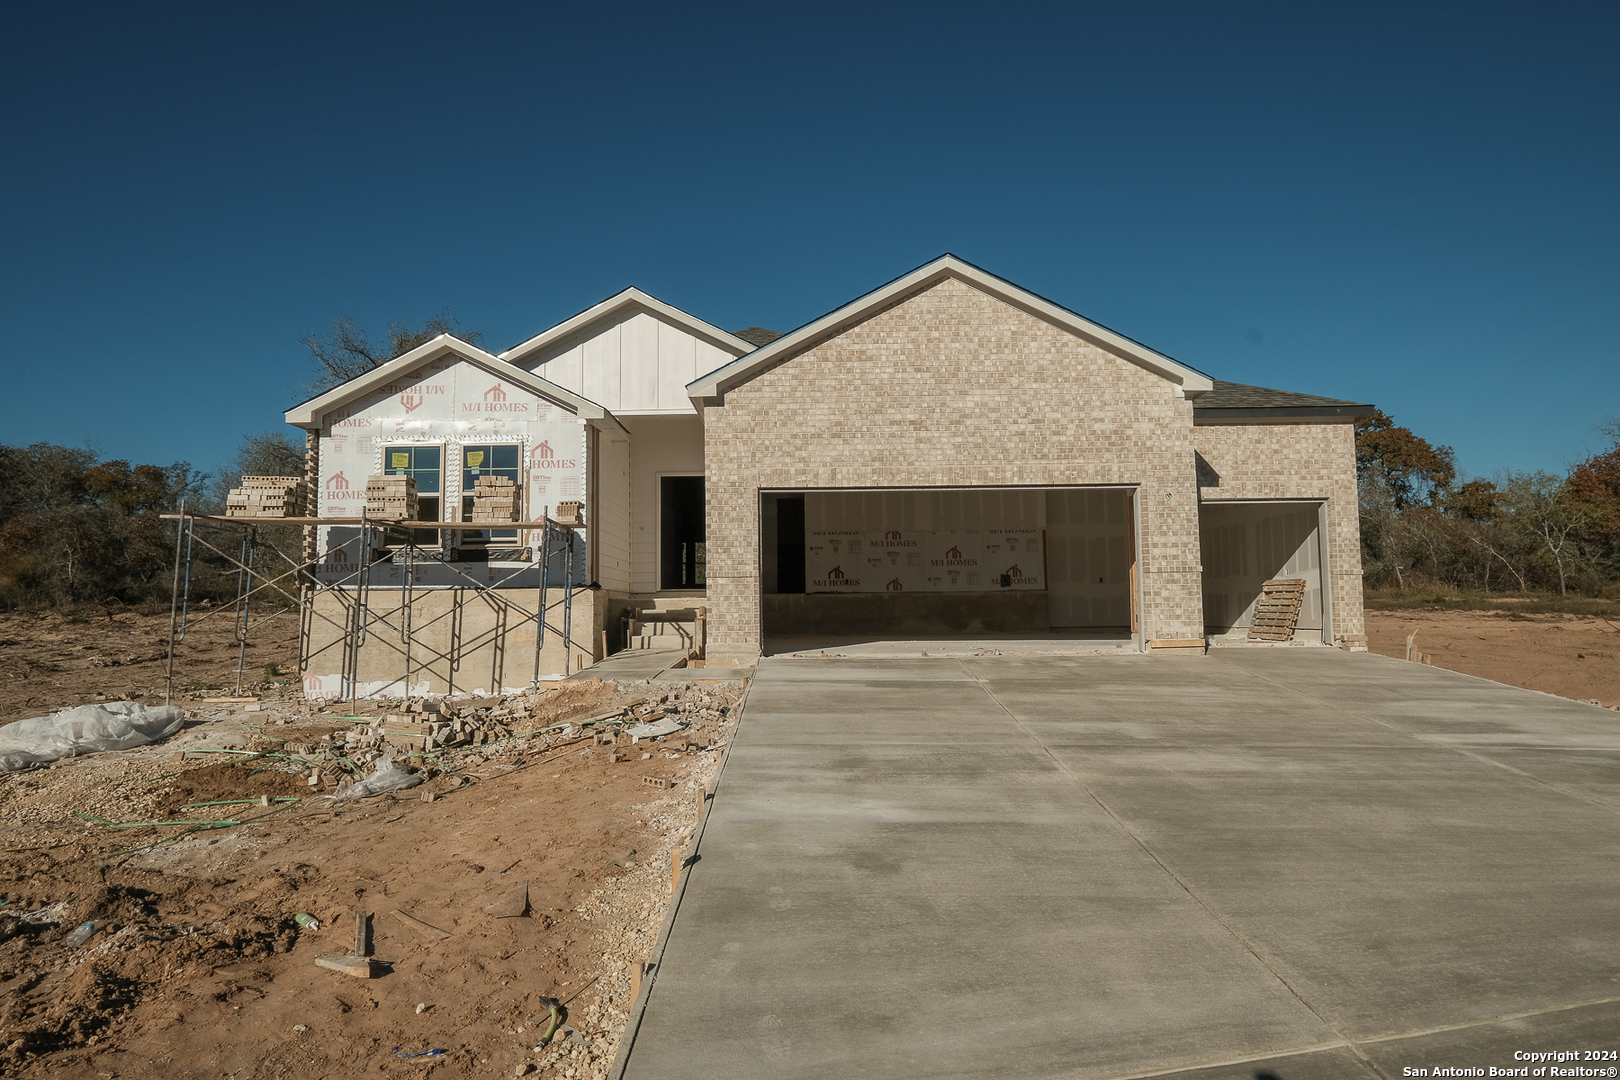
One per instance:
(1408,204)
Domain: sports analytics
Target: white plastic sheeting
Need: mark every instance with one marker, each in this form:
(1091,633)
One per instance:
(87,729)
(385,777)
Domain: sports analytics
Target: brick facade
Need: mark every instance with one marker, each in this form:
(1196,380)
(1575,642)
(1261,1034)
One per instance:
(1296,461)
(950,387)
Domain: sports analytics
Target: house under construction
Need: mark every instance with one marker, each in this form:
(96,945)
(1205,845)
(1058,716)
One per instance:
(949,455)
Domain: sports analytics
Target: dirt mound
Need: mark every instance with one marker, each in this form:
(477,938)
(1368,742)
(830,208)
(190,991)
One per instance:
(229,781)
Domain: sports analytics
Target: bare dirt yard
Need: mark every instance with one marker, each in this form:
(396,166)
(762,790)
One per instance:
(1573,656)
(538,870)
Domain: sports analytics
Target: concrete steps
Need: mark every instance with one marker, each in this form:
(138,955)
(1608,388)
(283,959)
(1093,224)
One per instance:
(660,624)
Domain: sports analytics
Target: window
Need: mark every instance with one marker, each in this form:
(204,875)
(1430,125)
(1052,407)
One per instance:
(425,465)
(493,459)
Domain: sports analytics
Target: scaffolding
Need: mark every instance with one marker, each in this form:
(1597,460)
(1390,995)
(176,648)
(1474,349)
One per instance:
(362,618)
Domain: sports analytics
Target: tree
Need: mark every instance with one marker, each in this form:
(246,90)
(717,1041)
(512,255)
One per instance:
(74,528)
(1539,505)
(347,352)
(1414,470)
(1595,485)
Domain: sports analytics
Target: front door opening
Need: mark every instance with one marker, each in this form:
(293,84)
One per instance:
(680,532)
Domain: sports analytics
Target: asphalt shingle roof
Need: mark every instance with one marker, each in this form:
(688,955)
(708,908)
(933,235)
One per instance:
(1230,399)
(757,336)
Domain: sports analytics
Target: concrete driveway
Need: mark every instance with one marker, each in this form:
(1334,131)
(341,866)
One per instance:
(1273,862)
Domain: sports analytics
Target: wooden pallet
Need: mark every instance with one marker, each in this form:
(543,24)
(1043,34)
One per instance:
(1277,610)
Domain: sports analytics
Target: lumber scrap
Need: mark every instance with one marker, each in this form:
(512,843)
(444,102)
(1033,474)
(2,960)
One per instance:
(1277,610)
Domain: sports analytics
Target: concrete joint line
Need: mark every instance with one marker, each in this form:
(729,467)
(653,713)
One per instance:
(638,1008)
(1186,886)
(1418,1033)
(1354,1045)
(1463,750)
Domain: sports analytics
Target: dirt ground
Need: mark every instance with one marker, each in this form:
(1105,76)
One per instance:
(540,869)
(198,965)
(1573,656)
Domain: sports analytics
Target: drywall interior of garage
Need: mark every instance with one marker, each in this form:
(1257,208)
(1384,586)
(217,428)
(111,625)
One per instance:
(1087,562)
(1246,544)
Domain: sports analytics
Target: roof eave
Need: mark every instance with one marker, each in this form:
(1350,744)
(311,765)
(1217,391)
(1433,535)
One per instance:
(631,297)
(1288,414)
(309,414)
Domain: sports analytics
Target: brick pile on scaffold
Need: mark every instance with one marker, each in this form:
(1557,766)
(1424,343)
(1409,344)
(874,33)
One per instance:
(268,497)
(391,497)
(494,500)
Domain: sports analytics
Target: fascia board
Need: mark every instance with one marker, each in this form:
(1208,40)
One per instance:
(712,386)
(309,414)
(1291,414)
(631,297)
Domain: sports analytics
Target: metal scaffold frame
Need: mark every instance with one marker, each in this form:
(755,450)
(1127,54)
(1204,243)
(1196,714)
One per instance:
(354,590)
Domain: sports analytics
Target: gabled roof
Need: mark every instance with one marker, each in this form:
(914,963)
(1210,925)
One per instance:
(309,413)
(613,306)
(1237,401)
(714,385)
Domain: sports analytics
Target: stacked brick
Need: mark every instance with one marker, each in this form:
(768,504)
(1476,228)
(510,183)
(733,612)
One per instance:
(268,497)
(494,500)
(391,497)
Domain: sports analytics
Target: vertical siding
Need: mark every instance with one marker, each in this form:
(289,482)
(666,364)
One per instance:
(566,369)
(610,509)
(677,366)
(638,363)
(633,362)
(603,361)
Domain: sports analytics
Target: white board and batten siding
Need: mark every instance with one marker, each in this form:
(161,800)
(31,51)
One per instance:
(610,531)
(632,362)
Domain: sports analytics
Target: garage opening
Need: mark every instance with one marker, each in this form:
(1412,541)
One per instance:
(1246,544)
(872,565)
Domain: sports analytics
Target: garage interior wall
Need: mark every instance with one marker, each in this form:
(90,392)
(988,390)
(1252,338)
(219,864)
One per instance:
(1089,552)
(1247,544)
(906,510)
(1089,543)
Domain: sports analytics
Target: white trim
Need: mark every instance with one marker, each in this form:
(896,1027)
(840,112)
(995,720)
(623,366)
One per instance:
(312,413)
(711,388)
(631,297)
(380,450)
